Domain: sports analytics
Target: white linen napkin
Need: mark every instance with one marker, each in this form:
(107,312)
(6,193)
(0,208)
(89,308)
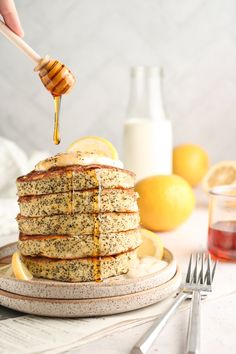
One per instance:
(13,163)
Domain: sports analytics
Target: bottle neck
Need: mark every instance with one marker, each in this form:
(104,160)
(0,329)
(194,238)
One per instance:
(138,99)
(155,97)
(146,94)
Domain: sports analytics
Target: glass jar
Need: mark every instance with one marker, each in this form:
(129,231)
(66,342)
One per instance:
(222,223)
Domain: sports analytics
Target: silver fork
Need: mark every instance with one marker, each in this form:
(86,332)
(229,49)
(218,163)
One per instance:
(195,283)
(201,282)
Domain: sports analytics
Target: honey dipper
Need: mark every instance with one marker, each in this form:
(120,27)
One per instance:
(55,76)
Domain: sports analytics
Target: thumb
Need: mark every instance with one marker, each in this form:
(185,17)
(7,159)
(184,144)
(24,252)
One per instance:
(10,16)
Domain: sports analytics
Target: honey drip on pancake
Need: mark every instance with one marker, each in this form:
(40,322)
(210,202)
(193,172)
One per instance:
(71,206)
(56,132)
(72,193)
(96,231)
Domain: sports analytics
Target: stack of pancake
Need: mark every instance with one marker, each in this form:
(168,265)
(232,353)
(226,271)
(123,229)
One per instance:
(78,223)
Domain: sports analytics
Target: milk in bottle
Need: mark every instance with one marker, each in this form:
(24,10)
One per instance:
(147,136)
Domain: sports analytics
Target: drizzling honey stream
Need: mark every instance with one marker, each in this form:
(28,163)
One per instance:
(56,132)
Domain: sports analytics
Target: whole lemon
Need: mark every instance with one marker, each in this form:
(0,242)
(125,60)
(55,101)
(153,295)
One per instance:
(190,162)
(164,202)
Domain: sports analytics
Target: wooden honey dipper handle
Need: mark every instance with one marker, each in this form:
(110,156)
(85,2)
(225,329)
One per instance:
(19,43)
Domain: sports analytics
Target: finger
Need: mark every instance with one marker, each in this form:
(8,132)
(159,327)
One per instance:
(10,16)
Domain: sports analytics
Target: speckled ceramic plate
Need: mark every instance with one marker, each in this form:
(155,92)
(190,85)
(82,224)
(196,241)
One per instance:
(115,286)
(90,307)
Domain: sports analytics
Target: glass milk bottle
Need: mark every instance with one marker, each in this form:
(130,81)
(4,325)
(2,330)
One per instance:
(147,136)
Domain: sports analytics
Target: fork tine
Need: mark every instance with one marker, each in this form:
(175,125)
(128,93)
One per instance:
(200,277)
(189,269)
(213,270)
(205,266)
(208,271)
(194,278)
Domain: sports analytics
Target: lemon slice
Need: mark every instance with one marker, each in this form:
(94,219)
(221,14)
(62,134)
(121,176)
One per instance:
(94,144)
(19,269)
(222,173)
(152,245)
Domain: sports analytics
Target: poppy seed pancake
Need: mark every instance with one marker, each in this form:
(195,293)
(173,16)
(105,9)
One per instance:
(80,246)
(64,179)
(80,269)
(74,224)
(87,201)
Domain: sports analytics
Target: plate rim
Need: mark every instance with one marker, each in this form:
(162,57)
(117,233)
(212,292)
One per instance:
(93,307)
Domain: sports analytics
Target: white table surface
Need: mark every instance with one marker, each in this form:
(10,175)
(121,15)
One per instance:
(218,315)
(218,333)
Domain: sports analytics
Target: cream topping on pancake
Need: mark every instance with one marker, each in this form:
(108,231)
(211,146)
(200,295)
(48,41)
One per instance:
(76,158)
(146,265)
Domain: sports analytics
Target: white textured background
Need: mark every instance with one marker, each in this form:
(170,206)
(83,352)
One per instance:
(194,40)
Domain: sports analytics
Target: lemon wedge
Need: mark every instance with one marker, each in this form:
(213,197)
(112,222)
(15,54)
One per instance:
(94,144)
(19,269)
(152,245)
(222,173)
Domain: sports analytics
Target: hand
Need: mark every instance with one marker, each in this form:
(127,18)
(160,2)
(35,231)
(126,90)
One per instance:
(10,16)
